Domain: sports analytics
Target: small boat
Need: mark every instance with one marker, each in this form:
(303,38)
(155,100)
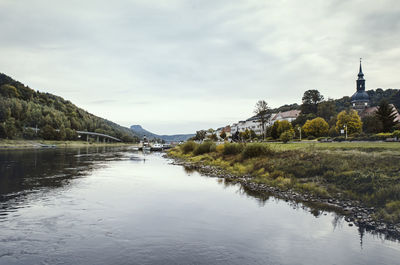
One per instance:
(135,148)
(166,146)
(156,147)
(146,148)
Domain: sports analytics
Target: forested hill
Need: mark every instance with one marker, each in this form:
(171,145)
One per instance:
(390,95)
(22,108)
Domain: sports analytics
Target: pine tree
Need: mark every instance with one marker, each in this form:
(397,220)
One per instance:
(387,115)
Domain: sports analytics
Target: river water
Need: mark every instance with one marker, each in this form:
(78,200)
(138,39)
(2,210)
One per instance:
(115,206)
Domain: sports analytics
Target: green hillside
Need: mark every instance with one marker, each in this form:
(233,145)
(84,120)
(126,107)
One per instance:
(390,95)
(22,108)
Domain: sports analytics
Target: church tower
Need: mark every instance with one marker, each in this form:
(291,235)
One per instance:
(360,99)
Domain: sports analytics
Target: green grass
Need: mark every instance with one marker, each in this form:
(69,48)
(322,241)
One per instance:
(365,171)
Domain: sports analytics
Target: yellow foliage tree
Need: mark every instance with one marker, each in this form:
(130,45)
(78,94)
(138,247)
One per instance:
(317,127)
(351,119)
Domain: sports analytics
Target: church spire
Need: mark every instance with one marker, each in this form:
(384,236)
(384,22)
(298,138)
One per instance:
(360,74)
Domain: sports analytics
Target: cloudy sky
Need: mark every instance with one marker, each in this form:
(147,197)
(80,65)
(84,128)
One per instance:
(177,66)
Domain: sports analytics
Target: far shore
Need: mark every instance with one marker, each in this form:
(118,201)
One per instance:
(34,144)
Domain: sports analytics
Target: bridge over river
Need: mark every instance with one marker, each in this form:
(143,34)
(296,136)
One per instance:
(98,136)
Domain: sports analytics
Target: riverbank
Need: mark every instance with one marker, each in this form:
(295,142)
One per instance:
(32,144)
(358,180)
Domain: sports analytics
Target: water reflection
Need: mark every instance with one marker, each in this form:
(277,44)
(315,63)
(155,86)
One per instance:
(135,208)
(315,208)
(26,172)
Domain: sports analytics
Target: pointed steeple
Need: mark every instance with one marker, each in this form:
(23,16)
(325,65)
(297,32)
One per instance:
(360,74)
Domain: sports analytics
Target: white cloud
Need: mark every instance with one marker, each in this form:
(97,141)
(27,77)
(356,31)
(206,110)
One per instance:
(196,64)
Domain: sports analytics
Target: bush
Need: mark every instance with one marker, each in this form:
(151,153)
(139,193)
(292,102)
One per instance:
(396,134)
(317,127)
(204,148)
(339,139)
(232,148)
(188,147)
(29,134)
(220,148)
(255,150)
(48,133)
(286,136)
(310,137)
(382,136)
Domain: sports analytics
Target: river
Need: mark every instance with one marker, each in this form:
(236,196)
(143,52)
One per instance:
(115,206)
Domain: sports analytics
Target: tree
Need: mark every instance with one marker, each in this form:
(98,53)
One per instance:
(284,126)
(3,133)
(371,124)
(351,119)
(8,91)
(310,100)
(262,114)
(48,133)
(10,128)
(279,127)
(386,114)
(253,134)
(286,136)
(317,127)
(62,133)
(326,109)
(302,118)
(223,135)
(200,135)
(274,130)
(213,137)
(245,135)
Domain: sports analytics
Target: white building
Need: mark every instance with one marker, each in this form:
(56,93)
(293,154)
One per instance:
(254,124)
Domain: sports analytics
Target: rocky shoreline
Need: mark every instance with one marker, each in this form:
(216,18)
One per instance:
(354,212)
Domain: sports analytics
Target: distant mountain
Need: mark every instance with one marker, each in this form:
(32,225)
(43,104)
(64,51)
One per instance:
(142,132)
(138,130)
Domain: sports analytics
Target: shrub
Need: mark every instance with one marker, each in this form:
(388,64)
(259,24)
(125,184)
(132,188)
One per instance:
(396,134)
(29,134)
(255,150)
(339,139)
(310,137)
(391,212)
(188,147)
(48,133)
(204,148)
(286,136)
(317,127)
(220,148)
(232,148)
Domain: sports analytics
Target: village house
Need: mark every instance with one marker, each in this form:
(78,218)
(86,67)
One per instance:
(289,116)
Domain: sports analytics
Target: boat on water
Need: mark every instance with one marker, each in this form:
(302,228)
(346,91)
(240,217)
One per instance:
(146,149)
(156,147)
(166,146)
(135,148)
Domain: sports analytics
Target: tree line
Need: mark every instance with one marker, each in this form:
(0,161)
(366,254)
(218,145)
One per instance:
(23,109)
(321,118)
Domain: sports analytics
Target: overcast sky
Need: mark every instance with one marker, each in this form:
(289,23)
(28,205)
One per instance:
(177,66)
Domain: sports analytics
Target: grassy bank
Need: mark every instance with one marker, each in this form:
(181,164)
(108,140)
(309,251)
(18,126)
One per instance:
(27,144)
(367,172)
